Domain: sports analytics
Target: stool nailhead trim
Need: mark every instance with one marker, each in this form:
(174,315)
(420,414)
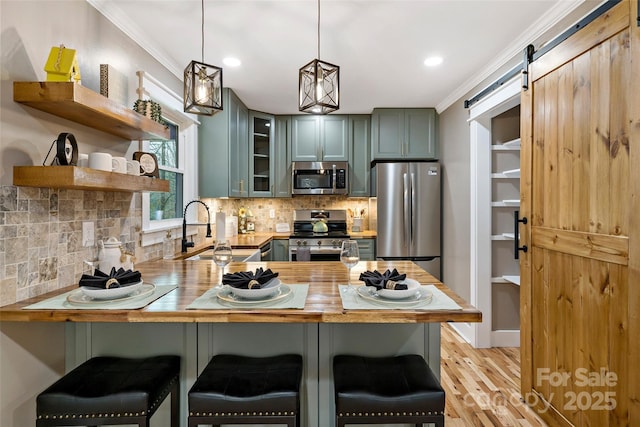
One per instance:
(73,416)
(235,414)
(165,392)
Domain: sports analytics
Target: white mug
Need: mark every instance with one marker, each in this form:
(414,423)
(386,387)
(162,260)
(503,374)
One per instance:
(133,167)
(100,161)
(83,160)
(119,164)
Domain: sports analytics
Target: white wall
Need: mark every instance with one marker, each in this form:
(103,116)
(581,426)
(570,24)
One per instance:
(32,355)
(454,155)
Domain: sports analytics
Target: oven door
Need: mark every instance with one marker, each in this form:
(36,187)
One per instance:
(316,254)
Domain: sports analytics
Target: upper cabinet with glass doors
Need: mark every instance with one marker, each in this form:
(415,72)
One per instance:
(261,154)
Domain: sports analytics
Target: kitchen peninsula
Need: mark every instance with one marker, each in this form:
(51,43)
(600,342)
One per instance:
(317,332)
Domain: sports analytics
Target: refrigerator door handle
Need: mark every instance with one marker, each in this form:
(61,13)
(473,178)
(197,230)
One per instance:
(406,208)
(413,204)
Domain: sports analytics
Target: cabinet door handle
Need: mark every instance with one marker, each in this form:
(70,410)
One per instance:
(516,234)
(241,186)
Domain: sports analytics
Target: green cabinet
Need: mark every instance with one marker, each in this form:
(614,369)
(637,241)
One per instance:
(319,138)
(367,248)
(360,155)
(404,133)
(282,163)
(223,152)
(261,154)
(279,250)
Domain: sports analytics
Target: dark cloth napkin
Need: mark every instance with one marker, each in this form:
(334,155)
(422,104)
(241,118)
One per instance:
(386,280)
(115,279)
(249,279)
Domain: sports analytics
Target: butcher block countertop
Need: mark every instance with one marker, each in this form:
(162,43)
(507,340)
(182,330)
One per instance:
(323,303)
(256,240)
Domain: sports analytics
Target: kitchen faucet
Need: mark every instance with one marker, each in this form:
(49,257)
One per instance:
(186,244)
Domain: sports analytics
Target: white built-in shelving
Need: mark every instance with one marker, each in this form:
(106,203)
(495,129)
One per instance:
(495,161)
(513,145)
(512,279)
(508,203)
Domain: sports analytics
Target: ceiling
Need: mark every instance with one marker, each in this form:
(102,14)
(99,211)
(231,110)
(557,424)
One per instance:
(380,45)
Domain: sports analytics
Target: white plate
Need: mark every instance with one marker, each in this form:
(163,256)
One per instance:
(113,293)
(412,288)
(269,288)
(78,297)
(225,295)
(420,297)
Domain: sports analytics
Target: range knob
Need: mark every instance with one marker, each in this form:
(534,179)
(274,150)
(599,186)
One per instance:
(335,243)
(319,242)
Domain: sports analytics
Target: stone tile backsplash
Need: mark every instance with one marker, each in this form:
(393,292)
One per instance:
(41,235)
(284,208)
(41,245)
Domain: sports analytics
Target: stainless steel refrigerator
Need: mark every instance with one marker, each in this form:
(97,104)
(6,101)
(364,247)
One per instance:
(408,203)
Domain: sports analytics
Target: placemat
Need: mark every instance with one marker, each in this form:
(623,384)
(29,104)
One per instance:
(440,301)
(210,301)
(60,302)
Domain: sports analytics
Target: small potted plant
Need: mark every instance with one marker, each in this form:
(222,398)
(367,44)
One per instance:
(160,204)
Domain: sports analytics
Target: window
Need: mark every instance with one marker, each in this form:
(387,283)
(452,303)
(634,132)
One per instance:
(166,205)
(177,163)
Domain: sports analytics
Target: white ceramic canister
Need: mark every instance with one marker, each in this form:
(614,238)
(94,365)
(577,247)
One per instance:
(119,164)
(83,160)
(112,254)
(133,167)
(100,161)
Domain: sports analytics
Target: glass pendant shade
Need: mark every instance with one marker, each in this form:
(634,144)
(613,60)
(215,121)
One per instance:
(319,87)
(202,88)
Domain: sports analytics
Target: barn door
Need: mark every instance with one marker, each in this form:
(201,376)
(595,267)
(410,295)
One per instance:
(580,278)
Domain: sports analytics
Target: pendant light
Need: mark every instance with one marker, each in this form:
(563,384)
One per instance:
(319,82)
(202,85)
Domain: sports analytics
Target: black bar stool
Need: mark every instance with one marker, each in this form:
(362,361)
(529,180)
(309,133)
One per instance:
(381,390)
(111,390)
(247,390)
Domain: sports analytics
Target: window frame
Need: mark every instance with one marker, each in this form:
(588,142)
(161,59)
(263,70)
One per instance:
(153,231)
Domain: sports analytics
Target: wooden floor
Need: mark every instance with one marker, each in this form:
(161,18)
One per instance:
(482,386)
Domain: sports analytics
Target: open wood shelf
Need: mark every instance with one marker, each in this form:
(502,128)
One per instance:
(77,178)
(75,102)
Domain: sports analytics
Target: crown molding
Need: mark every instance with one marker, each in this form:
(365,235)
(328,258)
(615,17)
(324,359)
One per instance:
(538,29)
(113,13)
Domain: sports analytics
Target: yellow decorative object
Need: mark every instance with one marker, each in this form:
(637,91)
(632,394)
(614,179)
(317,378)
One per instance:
(62,65)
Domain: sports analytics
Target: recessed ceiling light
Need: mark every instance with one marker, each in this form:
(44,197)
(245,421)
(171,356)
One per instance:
(432,61)
(231,62)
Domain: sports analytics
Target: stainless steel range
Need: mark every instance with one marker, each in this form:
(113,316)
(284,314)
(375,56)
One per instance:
(318,245)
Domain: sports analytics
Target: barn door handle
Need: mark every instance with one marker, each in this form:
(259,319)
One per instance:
(516,233)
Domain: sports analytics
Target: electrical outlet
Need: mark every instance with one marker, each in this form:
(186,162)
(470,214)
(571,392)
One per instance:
(272,213)
(88,234)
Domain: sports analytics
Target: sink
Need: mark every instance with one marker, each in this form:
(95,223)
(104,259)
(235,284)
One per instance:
(239,255)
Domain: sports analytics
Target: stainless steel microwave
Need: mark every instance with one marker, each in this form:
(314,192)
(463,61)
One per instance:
(320,178)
